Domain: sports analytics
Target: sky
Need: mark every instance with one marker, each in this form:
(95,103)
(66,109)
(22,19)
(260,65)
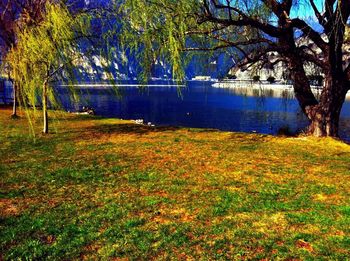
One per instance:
(304,10)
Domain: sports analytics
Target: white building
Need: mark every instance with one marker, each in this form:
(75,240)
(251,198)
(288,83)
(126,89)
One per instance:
(279,70)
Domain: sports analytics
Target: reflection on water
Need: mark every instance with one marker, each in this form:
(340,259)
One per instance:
(201,105)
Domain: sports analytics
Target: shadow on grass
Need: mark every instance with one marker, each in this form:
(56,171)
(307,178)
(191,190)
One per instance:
(128,128)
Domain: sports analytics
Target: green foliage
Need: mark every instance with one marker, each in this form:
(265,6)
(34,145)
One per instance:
(46,52)
(173,31)
(347,33)
(161,31)
(157,31)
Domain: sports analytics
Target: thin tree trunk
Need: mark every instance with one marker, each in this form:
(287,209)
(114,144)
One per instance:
(14,107)
(45,114)
(15,97)
(3,86)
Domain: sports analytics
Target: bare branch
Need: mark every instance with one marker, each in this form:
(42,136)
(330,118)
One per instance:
(319,17)
(255,57)
(205,49)
(310,55)
(206,32)
(329,11)
(242,19)
(311,33)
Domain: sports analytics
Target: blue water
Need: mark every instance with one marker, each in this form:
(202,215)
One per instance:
(202,106)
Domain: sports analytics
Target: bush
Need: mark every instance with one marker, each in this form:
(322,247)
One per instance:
(285,131)
(271,79)
(256,78)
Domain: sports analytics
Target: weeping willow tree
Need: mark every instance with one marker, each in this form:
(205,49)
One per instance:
(45,53)
(158,32)
(254,29)
(175,31)
(148,32)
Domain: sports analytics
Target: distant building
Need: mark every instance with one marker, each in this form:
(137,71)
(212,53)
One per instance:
(272,69)
(201,78)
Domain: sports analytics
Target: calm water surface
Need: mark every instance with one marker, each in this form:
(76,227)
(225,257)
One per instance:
(203,106)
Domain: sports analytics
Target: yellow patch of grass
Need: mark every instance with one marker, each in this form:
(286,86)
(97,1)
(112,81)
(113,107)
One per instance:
(172,192)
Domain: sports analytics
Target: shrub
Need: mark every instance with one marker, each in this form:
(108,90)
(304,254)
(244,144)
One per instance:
(271,79)
(232,77)
(256,78)
(285,131)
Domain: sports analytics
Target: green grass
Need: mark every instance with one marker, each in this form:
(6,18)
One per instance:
(102,189)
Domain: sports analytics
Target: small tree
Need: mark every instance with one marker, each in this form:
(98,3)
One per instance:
(46,53)
(15,14)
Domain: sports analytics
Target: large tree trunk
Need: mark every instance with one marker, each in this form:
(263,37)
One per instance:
(324,120)
(324,117)
(324,113)
(45,114)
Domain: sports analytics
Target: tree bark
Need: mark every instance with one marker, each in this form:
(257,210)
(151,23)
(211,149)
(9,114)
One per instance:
(326,52)
(324,117)
(324,121)
(323,113)
(15,97)
(14,107)
(45,114)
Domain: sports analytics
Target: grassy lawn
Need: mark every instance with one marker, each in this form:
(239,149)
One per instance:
(104,188)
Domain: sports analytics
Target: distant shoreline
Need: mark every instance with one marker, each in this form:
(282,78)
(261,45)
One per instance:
(248,83)
(238,84)
(122,85)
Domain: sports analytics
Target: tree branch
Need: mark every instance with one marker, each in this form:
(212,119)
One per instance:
(253,58)
(308,54)
(319,17)
(242,19)
(311,33)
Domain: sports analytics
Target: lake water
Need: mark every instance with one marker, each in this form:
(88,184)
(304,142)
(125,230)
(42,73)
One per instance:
(202,106)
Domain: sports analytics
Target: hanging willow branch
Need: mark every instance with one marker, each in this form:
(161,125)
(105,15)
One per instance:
(44,53)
